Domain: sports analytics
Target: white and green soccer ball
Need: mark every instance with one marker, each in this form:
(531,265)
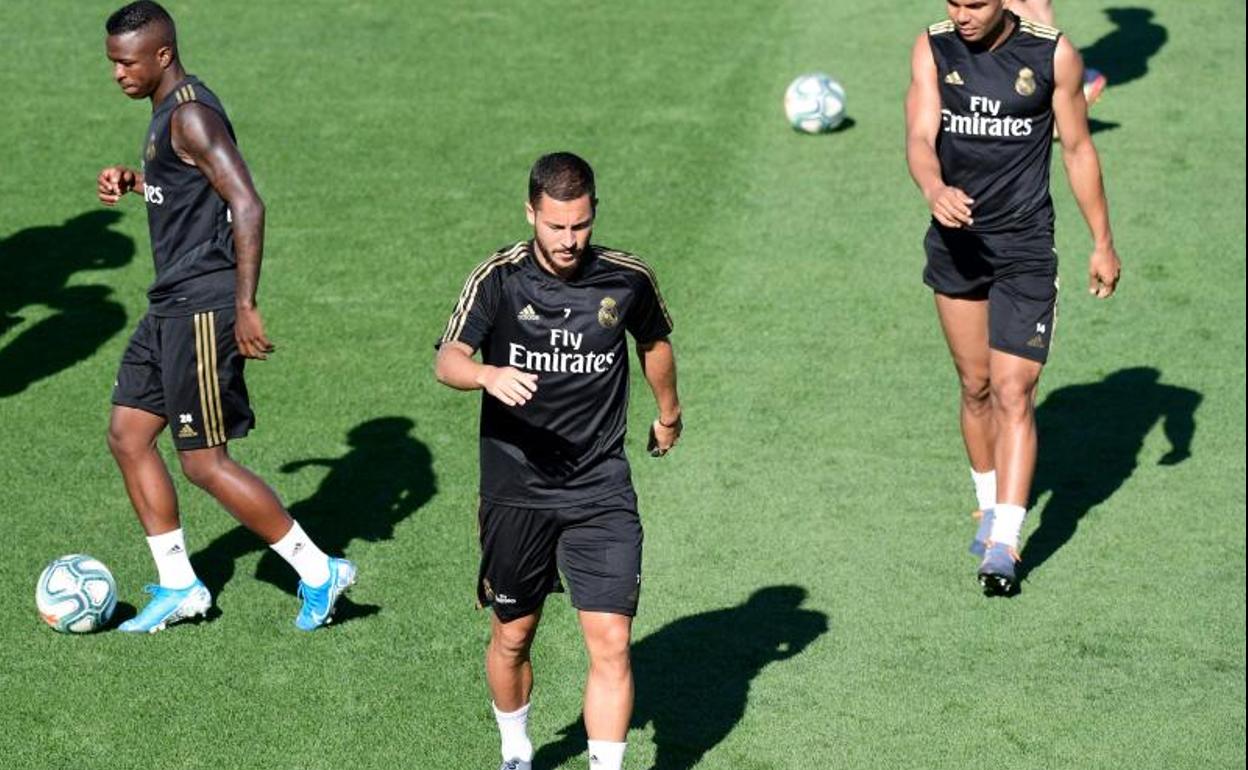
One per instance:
(76,594)
(814,103)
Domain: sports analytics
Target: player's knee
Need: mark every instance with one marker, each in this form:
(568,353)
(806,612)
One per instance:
(200,470)
(513,640)
(1012,397)
(126,445)
(976,391)
(608,645)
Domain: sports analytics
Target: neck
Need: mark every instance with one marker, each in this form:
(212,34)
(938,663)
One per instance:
(999,35)
(174,75)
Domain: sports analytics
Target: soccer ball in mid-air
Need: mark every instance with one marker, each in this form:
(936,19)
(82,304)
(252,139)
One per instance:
(815,103)
(76,594)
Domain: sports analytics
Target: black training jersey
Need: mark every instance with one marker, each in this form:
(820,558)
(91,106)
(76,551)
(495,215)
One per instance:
(566,445)
(192,241)
(996,115)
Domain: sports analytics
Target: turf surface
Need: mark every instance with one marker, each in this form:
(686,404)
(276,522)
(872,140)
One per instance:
(821,473)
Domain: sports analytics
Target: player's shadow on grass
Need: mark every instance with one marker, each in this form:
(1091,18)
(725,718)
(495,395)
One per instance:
(693,675)
(36,265)
(1090,440)
(1123,54)
(385,477)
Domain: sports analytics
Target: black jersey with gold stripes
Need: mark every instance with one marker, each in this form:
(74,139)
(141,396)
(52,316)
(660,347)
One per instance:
(995,140)
(566,445)
(192,241)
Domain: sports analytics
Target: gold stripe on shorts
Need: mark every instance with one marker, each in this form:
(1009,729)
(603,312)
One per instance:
(214,397)
(206,370)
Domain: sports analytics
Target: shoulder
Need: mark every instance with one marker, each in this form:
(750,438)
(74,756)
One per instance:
(939,39)
(500,264)
(1034,29)
(614,260)
(197,125)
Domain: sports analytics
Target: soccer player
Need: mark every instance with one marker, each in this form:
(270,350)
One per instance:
(548,316)
(986,90)
(184,365)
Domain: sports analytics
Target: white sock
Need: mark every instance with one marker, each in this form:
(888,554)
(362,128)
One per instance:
(301,553)
(513,727)
(173,565)
(606,755)
(1007,523)
(985,489)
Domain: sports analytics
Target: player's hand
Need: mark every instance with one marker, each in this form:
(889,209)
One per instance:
(114,182)
(508,384)
(664,435)
(951,207)
(1104,269)
(249,334)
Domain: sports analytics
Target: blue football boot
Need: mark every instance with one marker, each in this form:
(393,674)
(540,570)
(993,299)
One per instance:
(996,572)
(168,606)
(318,601)
(979,544)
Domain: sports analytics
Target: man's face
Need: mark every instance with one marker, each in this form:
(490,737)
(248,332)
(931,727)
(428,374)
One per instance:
(976,19)
(561,230)
(139,60)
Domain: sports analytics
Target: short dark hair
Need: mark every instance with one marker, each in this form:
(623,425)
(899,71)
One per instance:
(136,16)
(563,176)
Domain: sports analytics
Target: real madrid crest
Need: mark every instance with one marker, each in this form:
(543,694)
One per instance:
(151,148)
(1026,83)
(608,315)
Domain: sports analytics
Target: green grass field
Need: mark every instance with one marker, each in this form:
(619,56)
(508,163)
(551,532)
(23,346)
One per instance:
(391,142)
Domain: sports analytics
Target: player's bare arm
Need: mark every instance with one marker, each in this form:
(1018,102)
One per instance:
(456,368)
(201,139)
(950,206)
(115,181)
(658,364)
(1083,167)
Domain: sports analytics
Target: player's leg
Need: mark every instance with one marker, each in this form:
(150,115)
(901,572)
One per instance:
(207,398)
(608,686)
(134,424)
(1022,312)
(509,675)
(238,490)
(600,555)
(132,435)
(517,572)
(965,324)
(1014,381)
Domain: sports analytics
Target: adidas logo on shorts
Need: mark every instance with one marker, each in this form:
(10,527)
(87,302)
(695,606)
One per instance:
(187,432)
(527,314)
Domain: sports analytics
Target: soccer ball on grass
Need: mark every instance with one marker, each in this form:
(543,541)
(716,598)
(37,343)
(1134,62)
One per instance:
(76,594)
(814,103)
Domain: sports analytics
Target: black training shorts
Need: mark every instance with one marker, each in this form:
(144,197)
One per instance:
(1016,272)
(597,547)
(188,370)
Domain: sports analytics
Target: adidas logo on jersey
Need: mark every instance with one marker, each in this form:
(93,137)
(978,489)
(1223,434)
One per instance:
(954,79)
(528,314)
